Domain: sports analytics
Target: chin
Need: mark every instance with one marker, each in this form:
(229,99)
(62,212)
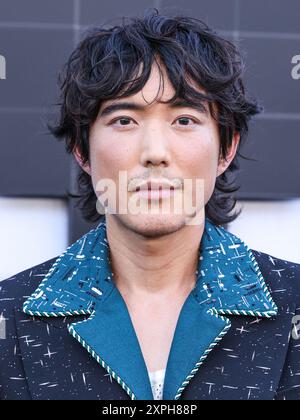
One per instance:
(152,226)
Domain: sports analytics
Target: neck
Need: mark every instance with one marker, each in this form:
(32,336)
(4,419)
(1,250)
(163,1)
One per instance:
(154,267)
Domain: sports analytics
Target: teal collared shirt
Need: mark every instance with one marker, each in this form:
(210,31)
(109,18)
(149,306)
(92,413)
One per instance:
(229,282)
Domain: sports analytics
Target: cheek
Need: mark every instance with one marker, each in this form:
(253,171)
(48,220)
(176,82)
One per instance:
(205,168)
(200,161)
(108,157)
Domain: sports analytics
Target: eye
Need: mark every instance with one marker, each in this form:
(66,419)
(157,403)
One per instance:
(125,120)
(185,120)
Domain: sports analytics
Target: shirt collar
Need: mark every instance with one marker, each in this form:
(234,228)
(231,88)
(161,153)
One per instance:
(229,280)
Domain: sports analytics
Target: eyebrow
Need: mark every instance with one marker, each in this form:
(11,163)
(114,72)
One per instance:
(137,107)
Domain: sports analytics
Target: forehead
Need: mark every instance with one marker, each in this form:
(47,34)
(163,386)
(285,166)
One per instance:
(157,88)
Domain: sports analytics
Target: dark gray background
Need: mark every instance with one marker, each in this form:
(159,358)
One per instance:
(36,38)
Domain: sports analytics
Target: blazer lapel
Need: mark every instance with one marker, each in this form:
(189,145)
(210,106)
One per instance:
(109,336)
(197,333)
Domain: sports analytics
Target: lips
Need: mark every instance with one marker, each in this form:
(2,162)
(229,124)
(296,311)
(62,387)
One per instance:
(156,194)
(155,188)
(155,185)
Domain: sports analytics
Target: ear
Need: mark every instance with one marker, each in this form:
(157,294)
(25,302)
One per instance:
(224,163)
(86,166)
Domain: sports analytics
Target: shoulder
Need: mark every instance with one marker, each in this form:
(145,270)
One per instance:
(16,289)
(282,276)
(13,292)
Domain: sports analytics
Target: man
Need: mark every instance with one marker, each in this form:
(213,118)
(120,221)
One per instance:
(153,305)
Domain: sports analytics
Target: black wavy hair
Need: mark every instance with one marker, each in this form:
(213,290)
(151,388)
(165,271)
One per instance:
(106,65)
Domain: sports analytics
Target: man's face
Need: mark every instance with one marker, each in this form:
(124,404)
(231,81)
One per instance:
(157,142)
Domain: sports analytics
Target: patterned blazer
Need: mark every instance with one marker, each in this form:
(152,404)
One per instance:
(66,332)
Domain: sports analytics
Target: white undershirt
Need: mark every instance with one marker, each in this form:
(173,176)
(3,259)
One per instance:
(157,383)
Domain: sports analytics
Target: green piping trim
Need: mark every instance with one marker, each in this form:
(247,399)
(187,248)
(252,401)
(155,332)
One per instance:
(56,314)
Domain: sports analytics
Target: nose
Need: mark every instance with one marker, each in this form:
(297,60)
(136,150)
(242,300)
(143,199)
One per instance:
(154,148)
